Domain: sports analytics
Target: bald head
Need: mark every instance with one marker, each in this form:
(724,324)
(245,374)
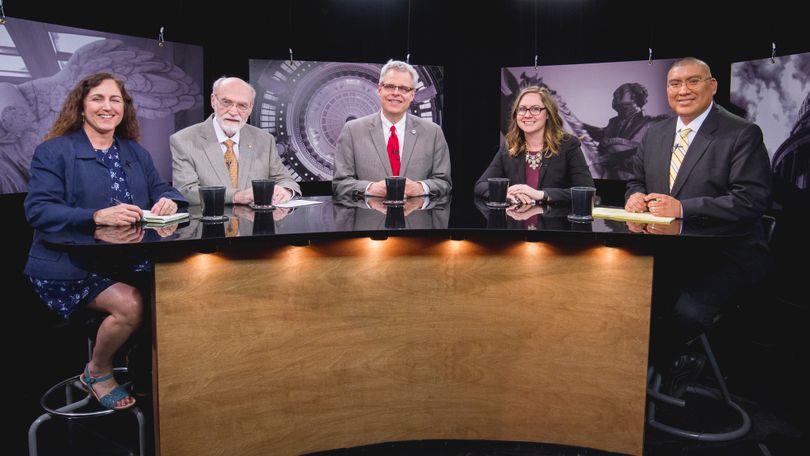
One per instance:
(232,100)
(232,81)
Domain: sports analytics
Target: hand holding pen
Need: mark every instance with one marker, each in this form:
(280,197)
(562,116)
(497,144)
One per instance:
(663,205)
(119,214)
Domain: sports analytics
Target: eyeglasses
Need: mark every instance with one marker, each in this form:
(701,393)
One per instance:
(228,104)
(534,110)
(691,83)
(394,87)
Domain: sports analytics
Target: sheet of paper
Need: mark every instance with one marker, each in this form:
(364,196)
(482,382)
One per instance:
(298,203)
(615,213)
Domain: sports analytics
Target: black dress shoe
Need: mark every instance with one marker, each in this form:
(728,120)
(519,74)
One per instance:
(683,371)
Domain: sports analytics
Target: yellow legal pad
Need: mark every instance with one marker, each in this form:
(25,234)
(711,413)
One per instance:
(615,213)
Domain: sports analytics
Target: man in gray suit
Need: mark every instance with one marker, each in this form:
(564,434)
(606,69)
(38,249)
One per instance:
(392,142)
(224,150)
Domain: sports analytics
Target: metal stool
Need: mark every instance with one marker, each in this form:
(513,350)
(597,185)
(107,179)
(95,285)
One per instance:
(84,407)
(653,391)
(722,395)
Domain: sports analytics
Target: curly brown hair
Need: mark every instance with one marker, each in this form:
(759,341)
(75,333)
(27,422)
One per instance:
(553,134)
(71,116)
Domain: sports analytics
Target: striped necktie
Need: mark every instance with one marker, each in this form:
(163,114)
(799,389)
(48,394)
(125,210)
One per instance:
(677,155)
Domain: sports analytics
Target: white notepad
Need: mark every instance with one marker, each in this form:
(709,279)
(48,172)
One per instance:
(149,217)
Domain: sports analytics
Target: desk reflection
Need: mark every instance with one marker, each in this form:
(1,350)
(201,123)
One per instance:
(419,213)
(537,217)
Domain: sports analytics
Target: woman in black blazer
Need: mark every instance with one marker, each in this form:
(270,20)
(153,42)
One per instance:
(540,159)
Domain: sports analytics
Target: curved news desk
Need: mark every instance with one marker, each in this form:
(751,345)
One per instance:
(321,328)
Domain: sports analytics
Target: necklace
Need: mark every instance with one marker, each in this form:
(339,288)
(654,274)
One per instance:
(534,159)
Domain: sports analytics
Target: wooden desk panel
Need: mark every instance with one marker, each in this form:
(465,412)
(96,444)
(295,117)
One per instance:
(352,342)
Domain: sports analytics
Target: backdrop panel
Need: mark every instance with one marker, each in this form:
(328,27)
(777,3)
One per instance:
(41,62)
(590,100)
(776,95)
(305,104)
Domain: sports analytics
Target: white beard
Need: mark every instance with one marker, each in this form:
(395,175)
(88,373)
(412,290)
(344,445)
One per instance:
(228,129)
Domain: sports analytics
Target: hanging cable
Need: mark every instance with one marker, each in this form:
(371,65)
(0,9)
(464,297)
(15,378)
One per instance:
(2,14)
(290,27)
(161,41)
(775,25)
(408,36)
(652,35)
(536,56)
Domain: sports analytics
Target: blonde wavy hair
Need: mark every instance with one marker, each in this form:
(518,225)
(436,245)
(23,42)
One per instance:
(553,134)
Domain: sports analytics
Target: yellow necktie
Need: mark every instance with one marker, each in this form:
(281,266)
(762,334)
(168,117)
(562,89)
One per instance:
(232,228)
(231,162)
(677,155)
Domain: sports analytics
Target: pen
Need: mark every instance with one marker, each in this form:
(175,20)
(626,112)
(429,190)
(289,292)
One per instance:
(117,201)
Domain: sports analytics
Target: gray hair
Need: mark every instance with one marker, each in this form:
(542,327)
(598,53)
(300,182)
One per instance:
(222,79)
(399,65)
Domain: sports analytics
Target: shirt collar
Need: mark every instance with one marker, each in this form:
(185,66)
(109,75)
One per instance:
(221,136)
(695,124)
(387,123)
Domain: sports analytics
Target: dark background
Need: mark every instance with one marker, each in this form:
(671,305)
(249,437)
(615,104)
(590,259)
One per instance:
(472,40)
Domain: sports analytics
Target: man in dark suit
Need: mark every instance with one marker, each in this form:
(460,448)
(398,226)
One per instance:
(726,173)
(392,142)
(707,163)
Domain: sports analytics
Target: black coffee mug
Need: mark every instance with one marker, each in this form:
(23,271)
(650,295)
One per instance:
(582,204)
(212,200)
(394,190)
(497,191)
(263,193)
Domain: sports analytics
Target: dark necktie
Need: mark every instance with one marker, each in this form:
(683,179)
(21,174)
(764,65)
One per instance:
(393,151)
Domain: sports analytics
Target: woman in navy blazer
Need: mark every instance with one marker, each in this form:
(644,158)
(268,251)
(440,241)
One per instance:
(540,159)
(91,172)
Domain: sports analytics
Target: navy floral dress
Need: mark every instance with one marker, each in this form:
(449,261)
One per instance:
(65,296)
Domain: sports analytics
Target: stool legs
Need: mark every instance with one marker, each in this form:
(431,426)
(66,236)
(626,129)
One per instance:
(32,430)
(655,395)
(70,412)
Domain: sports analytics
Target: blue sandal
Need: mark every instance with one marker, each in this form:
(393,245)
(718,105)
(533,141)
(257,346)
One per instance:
(108,401)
